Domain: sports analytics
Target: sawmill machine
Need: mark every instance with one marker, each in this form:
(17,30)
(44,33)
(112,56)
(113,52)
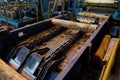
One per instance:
(116,16)
(107,7)
(75,5)
(59,49)
(102,6)
(15,13)
(19,13)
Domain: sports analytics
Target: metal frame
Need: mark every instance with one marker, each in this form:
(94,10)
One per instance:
(18,5)
(53,2)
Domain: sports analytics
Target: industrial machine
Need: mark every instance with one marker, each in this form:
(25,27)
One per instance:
(42,9)
(107,6)
(59,49)
(76,5)
(19,13)
(62,48)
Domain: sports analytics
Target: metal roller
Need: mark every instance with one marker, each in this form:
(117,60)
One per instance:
(111,61)
(75,25)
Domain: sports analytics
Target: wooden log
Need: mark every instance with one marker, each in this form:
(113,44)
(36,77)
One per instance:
(75,25)
(7,73)
(86,21)
(100,53)
(92,15)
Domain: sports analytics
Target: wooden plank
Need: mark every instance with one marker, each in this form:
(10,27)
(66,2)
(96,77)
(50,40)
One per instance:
(7,73)
(109,49)
(110,63)
(107,55)
(100,53)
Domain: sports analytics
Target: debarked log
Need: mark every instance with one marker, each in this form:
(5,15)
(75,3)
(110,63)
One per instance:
(75,25)
(92,15)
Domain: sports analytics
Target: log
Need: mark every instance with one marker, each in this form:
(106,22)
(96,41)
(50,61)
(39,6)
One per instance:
(100,53)
(75,25)
(86,21)
(7,73)
(92,15)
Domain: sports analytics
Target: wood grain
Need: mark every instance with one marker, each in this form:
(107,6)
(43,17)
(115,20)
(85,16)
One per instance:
(109,49)
(7,73)
(100,53)
(75,25)
(92,15)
